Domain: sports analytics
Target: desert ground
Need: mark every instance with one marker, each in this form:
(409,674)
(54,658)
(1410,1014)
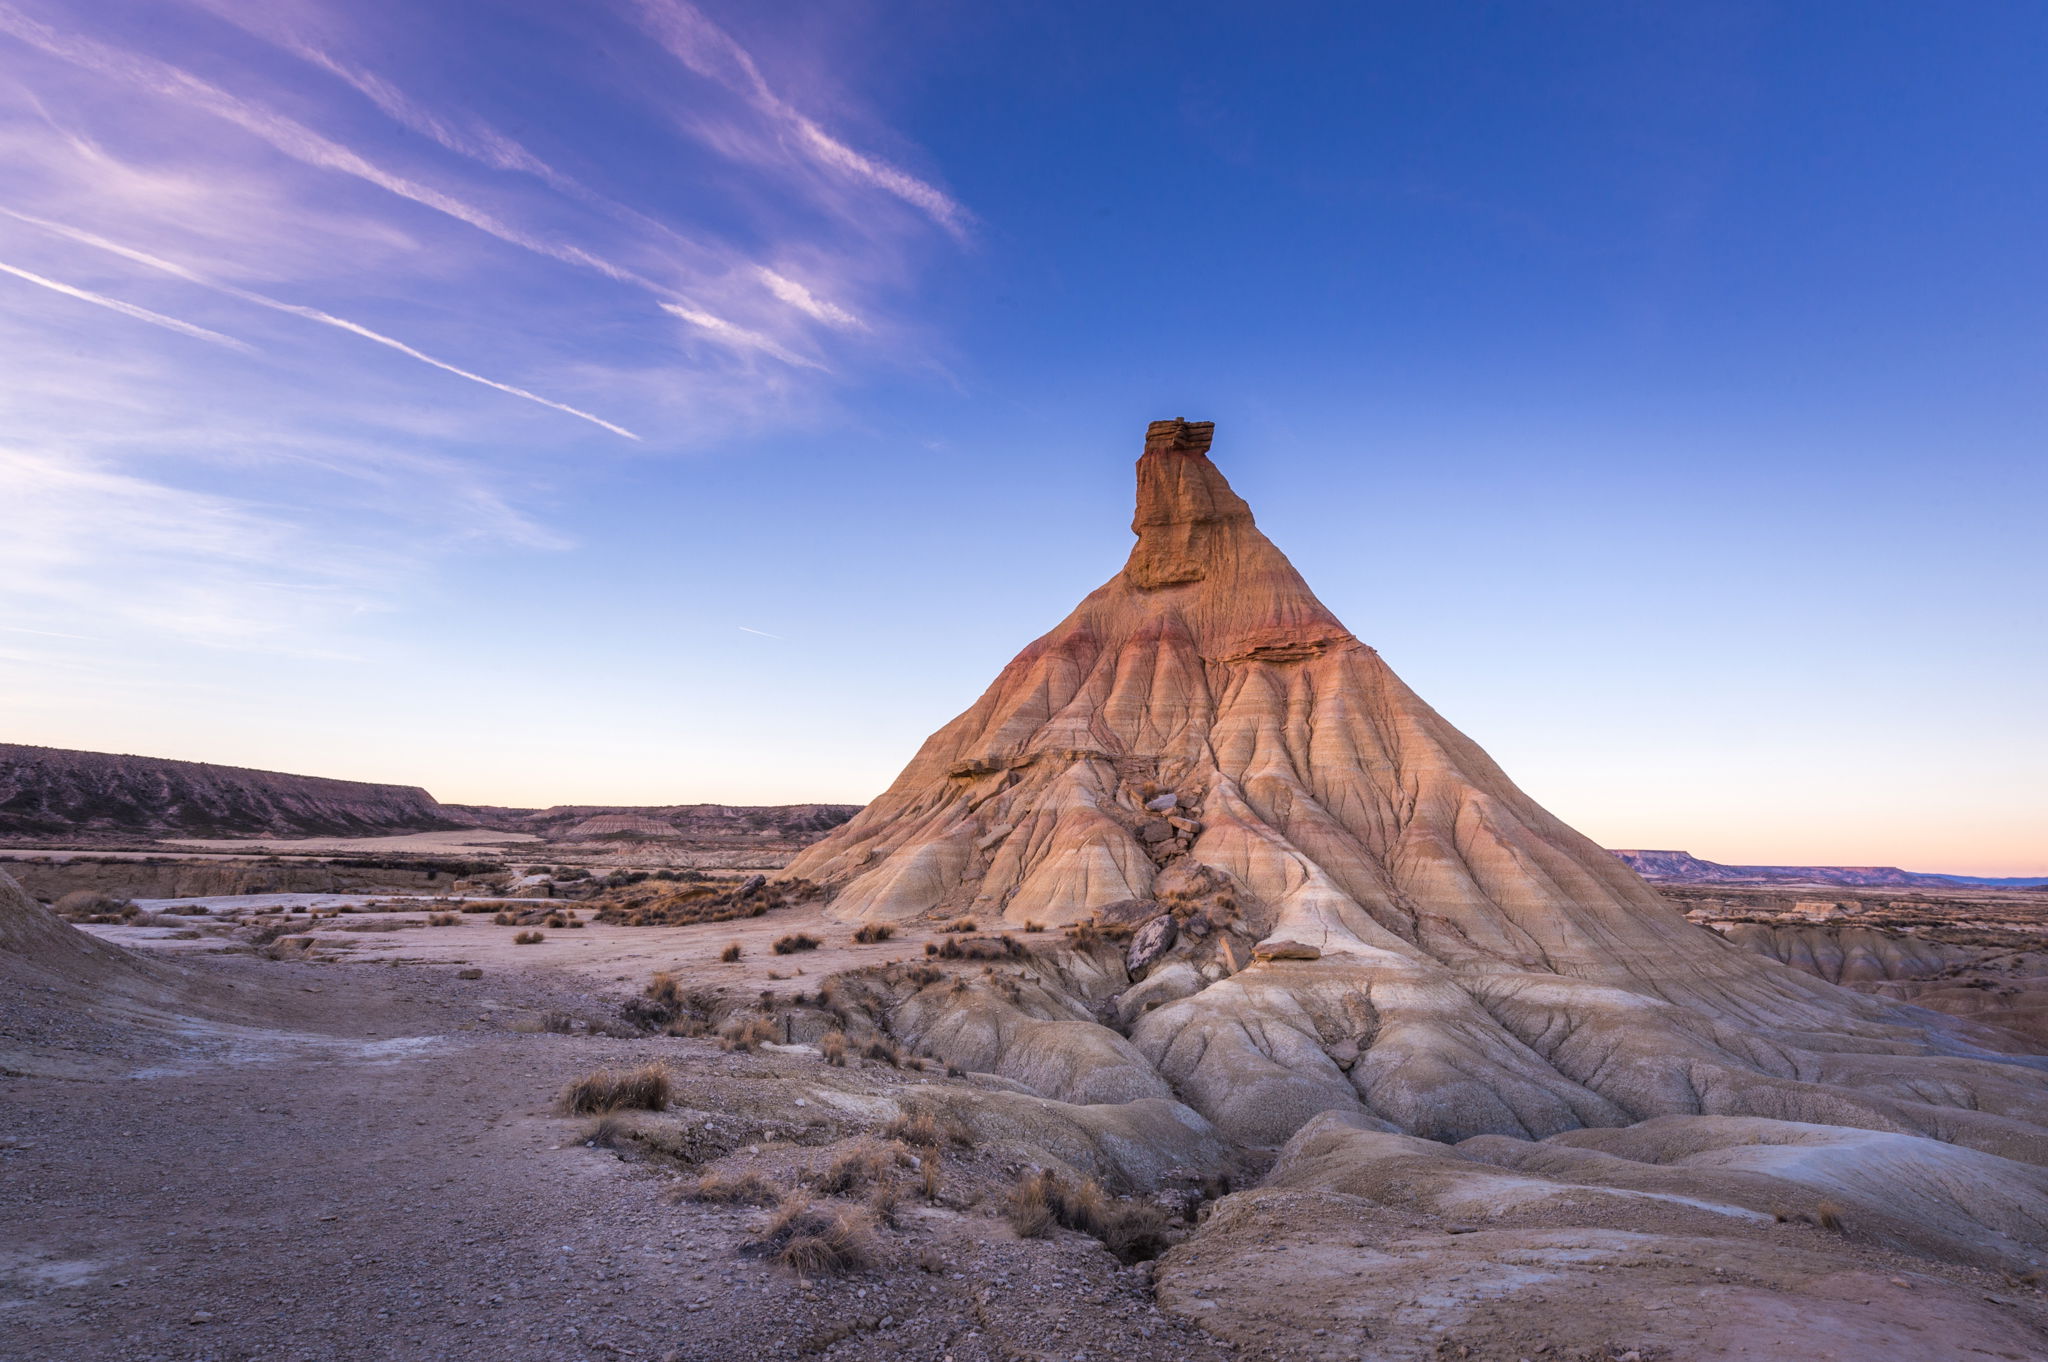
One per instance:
(353,1151)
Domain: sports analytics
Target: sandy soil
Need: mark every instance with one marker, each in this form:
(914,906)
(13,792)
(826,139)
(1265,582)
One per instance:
(380,1175)
(456,840)
(595,954)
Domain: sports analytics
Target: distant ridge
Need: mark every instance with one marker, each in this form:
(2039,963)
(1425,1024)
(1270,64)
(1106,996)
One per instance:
(59,793)
(1684,867)
(55,792)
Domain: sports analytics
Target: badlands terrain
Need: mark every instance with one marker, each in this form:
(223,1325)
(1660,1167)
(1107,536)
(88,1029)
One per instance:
(1198,993)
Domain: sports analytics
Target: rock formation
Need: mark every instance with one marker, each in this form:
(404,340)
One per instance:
(1202,737)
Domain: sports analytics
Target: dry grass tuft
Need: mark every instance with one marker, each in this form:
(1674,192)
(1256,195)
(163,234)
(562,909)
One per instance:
(731,952)
(1030,1208)
(641,1089)
(930,1182)
(976,948)
(529,938)
(874,933)
(745,1035)
(796,941)
(1828,1216)
(924,1131)
(959,924)
(1034,926)
(865,1163)
(724,1189)
(832,1048)
(1133,1231)
(885,1201)
(813,1240)
(444,919)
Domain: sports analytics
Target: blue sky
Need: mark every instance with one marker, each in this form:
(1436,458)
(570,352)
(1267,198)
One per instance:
(641,402)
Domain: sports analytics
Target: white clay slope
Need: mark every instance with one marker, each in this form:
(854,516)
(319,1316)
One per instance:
(1203,728)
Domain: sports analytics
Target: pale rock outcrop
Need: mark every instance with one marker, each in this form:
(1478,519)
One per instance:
(1480,967)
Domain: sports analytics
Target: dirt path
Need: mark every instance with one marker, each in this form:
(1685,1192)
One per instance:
(381,1178)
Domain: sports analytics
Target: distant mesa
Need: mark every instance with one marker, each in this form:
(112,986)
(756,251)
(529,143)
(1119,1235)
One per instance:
(54,792)
(1682,867)
(614,824)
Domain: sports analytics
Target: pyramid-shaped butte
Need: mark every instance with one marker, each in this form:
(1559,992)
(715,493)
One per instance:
(1204,709)
(1202,739)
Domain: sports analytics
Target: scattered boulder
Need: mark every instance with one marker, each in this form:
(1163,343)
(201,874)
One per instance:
(1153,940)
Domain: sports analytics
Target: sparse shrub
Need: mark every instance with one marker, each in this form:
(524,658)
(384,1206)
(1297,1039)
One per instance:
(1828,1216)
(529,938)
(443,920)
(976,948)
(558,1023)
(745,1189)
(873,933)
(641,1089)
(812,1240)
(1133,1231)
(731,953)
(884,1051)
(1034,926)
(1030,1208)
(884,1201)
(575,922)
(921,1129)
(745,1035)
(504,919)
(470,973)
(555,922)
(663,1006)
(1084,934)
(796,941)
(930,1181)
(832,1048)
(925,1131)
(959,924)
(862,1164)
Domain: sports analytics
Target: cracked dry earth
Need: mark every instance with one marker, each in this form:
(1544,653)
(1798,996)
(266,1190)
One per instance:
(380,1175)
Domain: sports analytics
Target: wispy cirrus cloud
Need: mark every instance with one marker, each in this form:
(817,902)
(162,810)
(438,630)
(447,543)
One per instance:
(315,311)
(312,314)
(294,139)
(707,49)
